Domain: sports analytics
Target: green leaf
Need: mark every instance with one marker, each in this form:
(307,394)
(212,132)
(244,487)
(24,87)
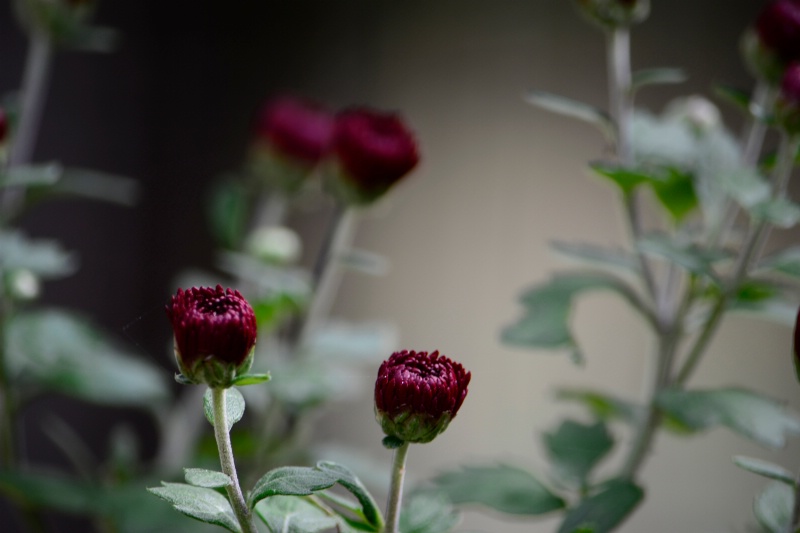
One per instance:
(627,179)
(204,504)
(765,469)
(211,479)
(229,211)
(773,507)
(51,490)
(750,414)
(573,109)
(603,406)
(734,95)
(676,194)
(611,257)
(766,300)
(657,76)
(60,351)
(31,175)
(548,306)
(504,488)
(275,307)
(428,513)
(780,212)
(251,379)
(349,481)
(291,481)
(604,510)
(746,186)
(43,257)
(234,407)
(786,261)
(289,514)
(364,261)
(575,448)
(95,185)
(687,256)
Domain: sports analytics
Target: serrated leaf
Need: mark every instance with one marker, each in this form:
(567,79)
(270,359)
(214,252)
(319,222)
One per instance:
(773,507)
(251,379)
(504,488)
(604,510)
(43,257)
(348,480)
(764,469)
(657,76)
(59,351)
(289,514)
(573,109)
(234,407)
(687,256)
(575,449)
(750,414)
(291,481)
(204,504)
(211,479)
(603,406)
(548,306)
(428,513)
(781,212)
(612,257)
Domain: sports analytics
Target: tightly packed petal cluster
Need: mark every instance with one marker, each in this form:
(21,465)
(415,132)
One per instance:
(297,129)
(215,332)
(778,28)
(374,151)
(417,394)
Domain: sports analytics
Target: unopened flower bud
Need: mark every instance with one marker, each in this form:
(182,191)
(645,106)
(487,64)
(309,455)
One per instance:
(274,244)
(215,333)
(615,13)
(787,105)
(774,40)
(417,395)
(373,151)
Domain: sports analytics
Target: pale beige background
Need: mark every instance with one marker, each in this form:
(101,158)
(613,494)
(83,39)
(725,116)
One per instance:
(470,230)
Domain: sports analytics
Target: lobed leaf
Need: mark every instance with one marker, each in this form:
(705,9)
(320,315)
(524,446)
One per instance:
(765,469)
(750,414)
(234,406)
(203,504)
(291,481)
(603,510)
(504,488)
(575,449)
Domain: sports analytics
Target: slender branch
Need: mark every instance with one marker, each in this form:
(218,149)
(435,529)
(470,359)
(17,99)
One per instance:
(396,489)
(240,508)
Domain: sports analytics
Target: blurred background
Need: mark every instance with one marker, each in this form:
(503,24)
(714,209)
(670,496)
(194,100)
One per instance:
(173,108)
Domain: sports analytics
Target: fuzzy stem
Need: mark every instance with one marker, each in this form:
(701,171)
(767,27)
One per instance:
(240,508)
(396,489)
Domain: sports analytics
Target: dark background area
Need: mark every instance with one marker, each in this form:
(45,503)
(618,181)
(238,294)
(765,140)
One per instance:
(172,107)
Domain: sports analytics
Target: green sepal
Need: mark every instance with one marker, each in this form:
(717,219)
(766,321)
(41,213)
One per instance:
(183,380)
(413,427)
(392,443)
(251,379)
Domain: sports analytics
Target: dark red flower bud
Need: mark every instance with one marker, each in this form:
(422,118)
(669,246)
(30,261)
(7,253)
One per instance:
(615,13)
(299,130)
(787,105)
(215,332)
(417,394)
(374,150)
(778,28)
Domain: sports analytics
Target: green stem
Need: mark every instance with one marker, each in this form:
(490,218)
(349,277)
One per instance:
(240,508)
(396,489)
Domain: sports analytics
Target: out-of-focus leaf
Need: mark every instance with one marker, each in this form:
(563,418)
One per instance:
(751,415)
(657,76)
(291,481)
(734,95)
(61,352)
(573,109)
(548,305)
(31,175)
(786,261)
(627,179)
(290,514)
(44,258)
(348,480)
(204,504)
(688,256)
(597,255)
(210,479)
(764,469)
(229,212)
(501,487)
(676,194)
(603,406)
(275,307)
(234,406)
(362,342)
(95,185)
(51,490)
(765,300)
(575,448)
(773,507)
(365,262)
(745,186)
(781,212)
(269,279)
(428,513)
(603,510)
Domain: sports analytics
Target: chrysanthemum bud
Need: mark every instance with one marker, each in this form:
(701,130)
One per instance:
(417,394)
(787,105)
(373,151)
(215,332)
(774,40)
(291,136)
(615,13)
